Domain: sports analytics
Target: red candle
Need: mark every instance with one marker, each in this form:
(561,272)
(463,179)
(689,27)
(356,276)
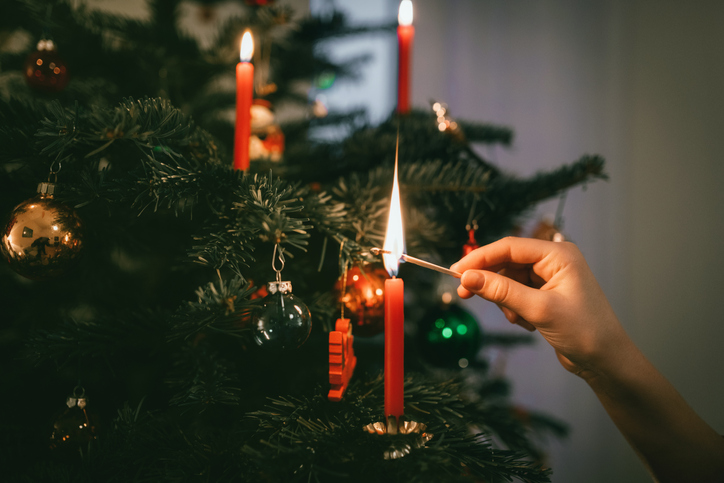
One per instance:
(405,36)
(394,348)
(244,95)
(394,313)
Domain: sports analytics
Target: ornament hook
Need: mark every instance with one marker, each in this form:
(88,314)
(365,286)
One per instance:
(53,173)
(78,392)
(280,250)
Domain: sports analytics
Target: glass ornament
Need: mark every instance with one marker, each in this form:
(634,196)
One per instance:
(283,321)
(363,297)
(449,336)
(43,238)
(75,426)
(44,70)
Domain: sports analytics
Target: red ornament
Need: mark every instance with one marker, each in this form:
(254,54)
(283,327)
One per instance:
(258,3)
(471,244)
(342,360)
(45,70)
(364,299)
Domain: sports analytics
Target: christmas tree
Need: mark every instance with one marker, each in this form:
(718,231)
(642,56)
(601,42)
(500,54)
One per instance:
(135,284)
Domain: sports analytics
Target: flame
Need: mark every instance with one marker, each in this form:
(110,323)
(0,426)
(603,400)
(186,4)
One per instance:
(404,16)
(247,47)
(394,238)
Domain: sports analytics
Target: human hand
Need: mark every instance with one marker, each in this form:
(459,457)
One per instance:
(548,286)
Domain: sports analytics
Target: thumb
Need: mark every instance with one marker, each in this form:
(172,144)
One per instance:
(522,300)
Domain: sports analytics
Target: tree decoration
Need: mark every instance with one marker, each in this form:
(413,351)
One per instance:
(44,70)
(363,297)
(342,360)
(75,426)
(472,243)
(267,139)
(449,336)
(43,238)
(283,321)
(471,227)
(551,230)
(546,230)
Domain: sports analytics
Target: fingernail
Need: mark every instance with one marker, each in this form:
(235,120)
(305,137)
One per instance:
(473,280)
(452,267)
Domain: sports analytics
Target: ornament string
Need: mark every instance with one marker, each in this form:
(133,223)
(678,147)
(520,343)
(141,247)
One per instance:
(343,264)
(472,225)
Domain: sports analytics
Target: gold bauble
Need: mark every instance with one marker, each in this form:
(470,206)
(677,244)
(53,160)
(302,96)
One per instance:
(43,237)
(364,299)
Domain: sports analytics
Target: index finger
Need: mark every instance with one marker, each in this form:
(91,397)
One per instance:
(504,252)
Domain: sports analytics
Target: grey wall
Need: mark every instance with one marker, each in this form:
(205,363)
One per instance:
(641,83)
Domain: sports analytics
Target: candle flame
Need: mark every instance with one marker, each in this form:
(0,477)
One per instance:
(247,47)
(394,238)
(404,16)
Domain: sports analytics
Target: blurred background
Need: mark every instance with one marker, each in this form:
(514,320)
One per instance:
(640,82)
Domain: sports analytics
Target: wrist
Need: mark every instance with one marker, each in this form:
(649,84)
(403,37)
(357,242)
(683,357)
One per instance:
(612,370)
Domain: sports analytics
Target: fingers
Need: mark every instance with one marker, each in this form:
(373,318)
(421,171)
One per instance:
(526,302)
(504,252)
(514,318)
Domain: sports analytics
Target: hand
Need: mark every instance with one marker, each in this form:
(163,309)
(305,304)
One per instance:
(548,286)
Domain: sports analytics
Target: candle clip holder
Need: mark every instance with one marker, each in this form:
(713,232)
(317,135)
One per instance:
(405,430)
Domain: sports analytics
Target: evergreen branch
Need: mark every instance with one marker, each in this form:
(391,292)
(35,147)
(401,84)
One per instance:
(96,337)
(219,308)
(202,379)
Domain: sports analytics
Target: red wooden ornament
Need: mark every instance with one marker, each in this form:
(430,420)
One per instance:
(471,244)
(342,360)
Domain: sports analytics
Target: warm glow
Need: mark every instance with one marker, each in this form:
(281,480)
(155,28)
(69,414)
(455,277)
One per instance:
(247,47)
(394,238)
(404,17)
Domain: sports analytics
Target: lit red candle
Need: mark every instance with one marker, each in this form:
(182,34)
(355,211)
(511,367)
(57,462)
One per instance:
(405,36)
(244,96)
(394,312)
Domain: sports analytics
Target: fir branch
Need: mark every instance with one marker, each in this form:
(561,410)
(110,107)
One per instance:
(96,337)
(220,307)
(202,379)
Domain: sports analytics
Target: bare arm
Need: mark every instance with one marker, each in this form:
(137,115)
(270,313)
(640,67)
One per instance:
(548,286)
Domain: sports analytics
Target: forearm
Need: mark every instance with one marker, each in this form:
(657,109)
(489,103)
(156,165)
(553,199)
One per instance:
(671,439)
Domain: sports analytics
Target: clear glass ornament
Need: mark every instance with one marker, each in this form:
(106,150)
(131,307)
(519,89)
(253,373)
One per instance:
(283,321)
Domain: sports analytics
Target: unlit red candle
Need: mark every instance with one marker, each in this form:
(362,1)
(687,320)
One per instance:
(244,97)
(405,36)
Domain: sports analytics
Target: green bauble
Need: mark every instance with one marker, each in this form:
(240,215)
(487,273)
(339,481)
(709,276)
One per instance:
(449,336)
